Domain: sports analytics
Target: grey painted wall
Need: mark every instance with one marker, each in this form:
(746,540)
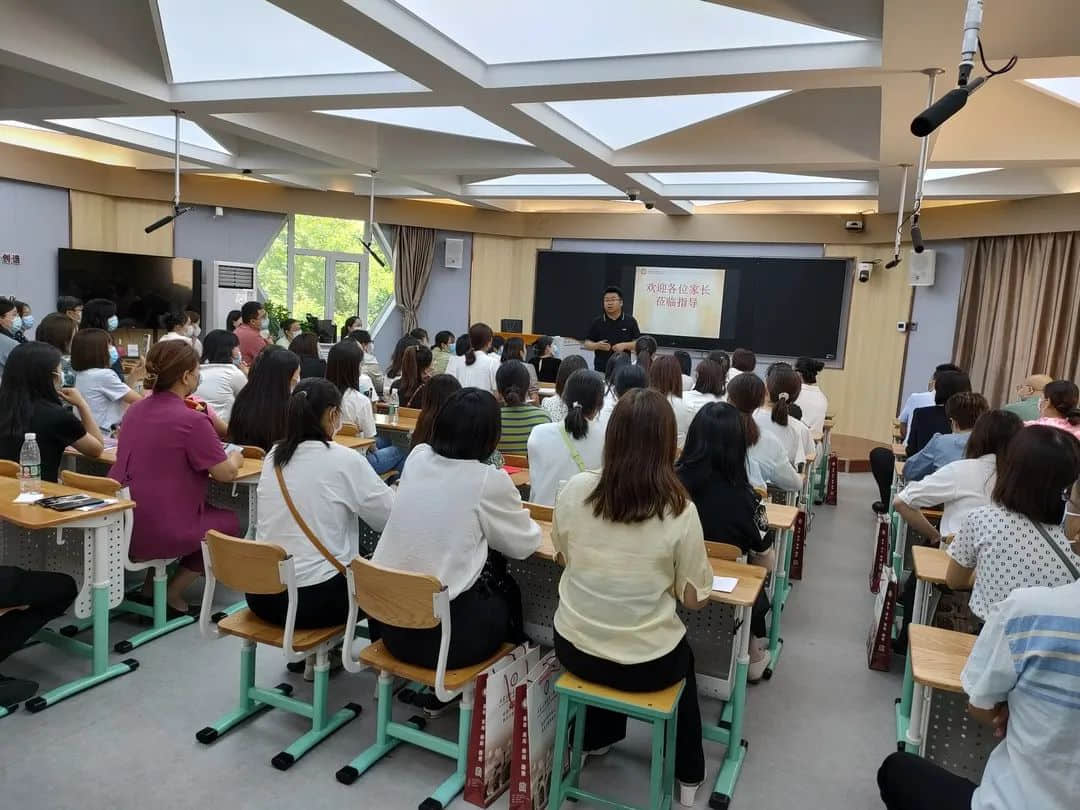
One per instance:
(935,311)
(446,300)
(34,222)
(239,236)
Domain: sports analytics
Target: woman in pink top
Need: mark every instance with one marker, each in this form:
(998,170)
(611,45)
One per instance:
(166,448)
(1059,407)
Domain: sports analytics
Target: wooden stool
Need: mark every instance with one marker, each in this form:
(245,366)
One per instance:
(658,708)
(252,567)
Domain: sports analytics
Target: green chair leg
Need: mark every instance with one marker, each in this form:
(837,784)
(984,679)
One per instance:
(557,793)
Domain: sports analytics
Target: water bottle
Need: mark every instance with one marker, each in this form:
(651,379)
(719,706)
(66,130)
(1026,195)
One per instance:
(393,406)
(30,465)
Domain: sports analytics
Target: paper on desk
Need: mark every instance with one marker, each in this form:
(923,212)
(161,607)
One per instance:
(107,501)
(724,584)
(29,497)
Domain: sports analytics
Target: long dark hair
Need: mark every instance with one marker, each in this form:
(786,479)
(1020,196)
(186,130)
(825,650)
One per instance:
(57,330)
(232,316)
(29,379)
(260,412)
(808,369)
(480,335)
(645,349)
(306,344)
(513,349)
(629,377)
(992,433)
(574,362)
(218,346)
(394,369)
(584,397)
(468,426)
(638,480)
(512,380)
(711,378)
(303,422)
(96,313)
(614,363)
(438,389)
(343,365)
(461,345)
(784,387)
(1041,465)
(1063,396)
(540,346)
(746,392)
(715,447)
(414,362)
(665,376)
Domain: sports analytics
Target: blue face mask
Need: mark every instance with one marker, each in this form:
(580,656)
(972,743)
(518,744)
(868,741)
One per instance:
(114,355)
(265,324)
(554,349)
(112,323)
(17,324)
(28,322)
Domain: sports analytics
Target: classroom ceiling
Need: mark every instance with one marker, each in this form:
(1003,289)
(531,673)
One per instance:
(798,106)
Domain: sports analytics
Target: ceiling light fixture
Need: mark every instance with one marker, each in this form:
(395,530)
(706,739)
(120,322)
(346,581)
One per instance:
(178,210)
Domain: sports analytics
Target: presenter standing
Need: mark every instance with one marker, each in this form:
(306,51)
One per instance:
(614,331)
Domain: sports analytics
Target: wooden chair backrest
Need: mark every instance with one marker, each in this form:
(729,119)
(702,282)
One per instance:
(9,469)
(516,461)
(539,512)
(397,598)
(91,483)
(247,566)
(348,429)
(409,413)
(250,451)
(723,551)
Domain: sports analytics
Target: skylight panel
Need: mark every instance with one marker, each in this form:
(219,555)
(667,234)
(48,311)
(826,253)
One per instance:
(499,32)
(449,120)
(1065,87)
(620,122)
(210,40)
(720,178)
(164,127)
(945,174)
(542,180)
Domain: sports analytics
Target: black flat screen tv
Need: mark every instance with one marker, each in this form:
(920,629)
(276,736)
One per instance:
(144,288)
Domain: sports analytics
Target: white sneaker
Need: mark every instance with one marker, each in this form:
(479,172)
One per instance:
(687,793)
(759,659)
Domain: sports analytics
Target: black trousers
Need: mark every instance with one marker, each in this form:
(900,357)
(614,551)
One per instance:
(48,596)
(909,782)
(604,727)
(321,605)
(882,462)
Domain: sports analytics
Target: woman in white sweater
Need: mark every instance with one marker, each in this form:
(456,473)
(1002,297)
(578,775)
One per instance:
(665,376)
(220,377)
(766,459)
(559,451)
(812,400)
(454,517)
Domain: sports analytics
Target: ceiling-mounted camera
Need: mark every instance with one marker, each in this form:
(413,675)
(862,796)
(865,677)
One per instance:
(632,194)
(649,205)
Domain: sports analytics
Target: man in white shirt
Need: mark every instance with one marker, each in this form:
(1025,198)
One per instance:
(1023,677)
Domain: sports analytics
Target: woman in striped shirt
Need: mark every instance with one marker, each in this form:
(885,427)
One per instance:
(519,417)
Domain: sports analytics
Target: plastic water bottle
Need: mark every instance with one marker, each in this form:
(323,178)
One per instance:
(30,465)
(393,406)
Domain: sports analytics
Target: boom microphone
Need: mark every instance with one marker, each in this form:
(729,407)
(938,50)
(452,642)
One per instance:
(944,108)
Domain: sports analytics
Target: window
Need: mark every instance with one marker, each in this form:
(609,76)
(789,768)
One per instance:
(319,266)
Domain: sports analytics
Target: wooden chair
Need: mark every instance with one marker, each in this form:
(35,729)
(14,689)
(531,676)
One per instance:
(348,429)
(539,512)
(724,551)
(250,451)
(9,469)
(516,461)
(264,568)
(158,608)
(416,601)
(408,413)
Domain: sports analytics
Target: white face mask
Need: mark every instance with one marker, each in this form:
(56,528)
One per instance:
(196,331)
(189,330)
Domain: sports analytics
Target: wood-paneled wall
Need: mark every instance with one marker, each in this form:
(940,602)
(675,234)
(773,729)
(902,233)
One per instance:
(863,394)
(503,279)
(117,224)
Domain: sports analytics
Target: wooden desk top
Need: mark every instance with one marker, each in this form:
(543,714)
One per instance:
(31,516)
(520,478)
(938,656)
(781,516)
(899,450)
(930,563)
(354,442)
(751,577)
(405,424)
(251,468)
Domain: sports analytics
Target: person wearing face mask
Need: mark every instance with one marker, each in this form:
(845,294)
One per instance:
(249,332)
(165,450)
(26,317)
(7,342)
(178,327)
(11,325)
(290,330)
(370,367)
(222,373)
(92,354)
(100,313)
(196,330)
(329,488)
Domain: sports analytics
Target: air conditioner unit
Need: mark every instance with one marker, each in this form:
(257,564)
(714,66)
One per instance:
(232,285)
(454,253)
(921,268)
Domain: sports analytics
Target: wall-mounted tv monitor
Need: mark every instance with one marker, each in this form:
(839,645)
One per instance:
(144,288)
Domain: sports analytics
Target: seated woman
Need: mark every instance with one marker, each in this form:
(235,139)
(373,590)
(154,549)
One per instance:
(330,487)
(306,347)
(774,417)
(514,349)
(686,365)
(627,378)
(343,371)
(32,400)
(442,351)
(100,313)
(519,417)
(1059,407)
(616,623)
(1017,541)
(92,357)
(928,422)
(165,450)
(559,451)
(766,460)
(479,364)
(644,352)
(614,364)
(415,370)
(290,330)
(743,361)
(815,405)
(962,410)
(665,376)
(709,386)
(57,330)
(556,406)
(397,357)
(260,411)
(221,379)
(545,361)
(713,470)
(452,518)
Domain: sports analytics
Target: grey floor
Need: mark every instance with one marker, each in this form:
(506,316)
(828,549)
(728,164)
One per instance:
(817,730)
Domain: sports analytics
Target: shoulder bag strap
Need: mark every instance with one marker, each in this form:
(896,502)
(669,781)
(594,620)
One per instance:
(1069,566)
(330,558)
(574,454)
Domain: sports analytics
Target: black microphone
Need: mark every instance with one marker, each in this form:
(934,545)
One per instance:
(916,238)
(943,109)
(161,223)
(895,261)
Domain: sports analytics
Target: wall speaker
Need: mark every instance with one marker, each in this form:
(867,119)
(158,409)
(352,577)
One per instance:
(921,268)
(454,253)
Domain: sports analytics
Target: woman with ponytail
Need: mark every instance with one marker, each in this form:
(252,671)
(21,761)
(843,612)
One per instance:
(766,459)
(259,413)
(329,487)
(477,368)
(774,416)
(514,349)
(415,370)
(1060,407)
(812,399)
(644,351)
(166,448)
(519,416)
(558,452)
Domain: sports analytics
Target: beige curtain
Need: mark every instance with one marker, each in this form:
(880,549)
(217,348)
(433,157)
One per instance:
(414,250)
(1019,311)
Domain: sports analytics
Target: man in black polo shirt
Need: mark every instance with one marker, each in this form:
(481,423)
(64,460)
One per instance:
(614,331)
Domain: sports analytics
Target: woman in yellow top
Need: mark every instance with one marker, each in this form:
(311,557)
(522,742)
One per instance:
(631,541)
